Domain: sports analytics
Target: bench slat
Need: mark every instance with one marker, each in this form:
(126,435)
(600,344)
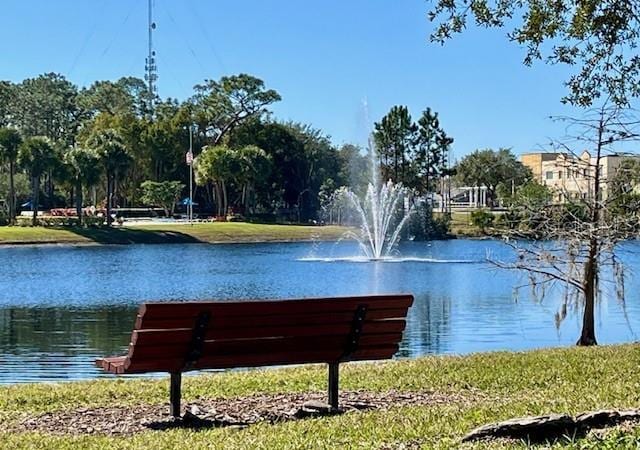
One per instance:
(183,336)
(268,345)
(157,310)
(258,360)
(221,321)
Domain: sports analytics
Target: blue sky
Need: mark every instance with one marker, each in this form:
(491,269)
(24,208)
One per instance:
(323,56)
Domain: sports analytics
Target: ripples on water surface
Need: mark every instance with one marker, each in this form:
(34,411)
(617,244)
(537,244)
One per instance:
(61,306)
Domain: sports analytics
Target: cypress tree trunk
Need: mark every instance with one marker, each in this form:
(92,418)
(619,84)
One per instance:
(588,334)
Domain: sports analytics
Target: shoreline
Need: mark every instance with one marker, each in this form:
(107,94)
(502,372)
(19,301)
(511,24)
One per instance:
(209,233)
(156,376)
(170,234)
(100,244)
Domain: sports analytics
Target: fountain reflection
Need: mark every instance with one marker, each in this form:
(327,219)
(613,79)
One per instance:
(428,328)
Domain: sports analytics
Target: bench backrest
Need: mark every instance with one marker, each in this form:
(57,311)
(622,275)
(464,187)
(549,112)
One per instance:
(180,336)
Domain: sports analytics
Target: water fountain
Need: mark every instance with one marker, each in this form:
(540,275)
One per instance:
(382,214)
(379,217)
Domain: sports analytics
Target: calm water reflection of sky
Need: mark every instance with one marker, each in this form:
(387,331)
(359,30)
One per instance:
(62,306)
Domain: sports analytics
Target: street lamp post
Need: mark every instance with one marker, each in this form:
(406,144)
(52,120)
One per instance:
(190,165)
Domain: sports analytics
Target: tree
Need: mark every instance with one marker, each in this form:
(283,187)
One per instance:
(625,188)
(531,194)
(599,38)
(115,158)
(10,141)
(7,99)
(166,139)
(37,155)
(318,163)
(164,194)
(255,168)
(355,169)
(394,136)
(107,97)
(220,106)
(491,168)
(83,166)
(46,106)
(580,237)
(287,153)
(131,131)
(218,164)
(21,185)
(304,158)
(432,151)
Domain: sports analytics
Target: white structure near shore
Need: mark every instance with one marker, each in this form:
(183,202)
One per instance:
(460,198)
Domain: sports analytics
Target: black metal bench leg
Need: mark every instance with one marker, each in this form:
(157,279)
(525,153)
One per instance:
(334,379)
(174,393)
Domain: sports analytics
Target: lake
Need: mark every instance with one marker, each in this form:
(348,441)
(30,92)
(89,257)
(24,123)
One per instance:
(63,306)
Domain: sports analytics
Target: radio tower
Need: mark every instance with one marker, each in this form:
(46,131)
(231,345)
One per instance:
(150,67)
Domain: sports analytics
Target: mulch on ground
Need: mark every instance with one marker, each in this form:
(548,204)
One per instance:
(210,413)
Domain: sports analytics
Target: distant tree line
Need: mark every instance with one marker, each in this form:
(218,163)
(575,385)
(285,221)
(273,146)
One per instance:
(64,146)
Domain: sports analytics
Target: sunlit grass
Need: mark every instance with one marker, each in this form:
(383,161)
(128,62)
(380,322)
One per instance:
(170,233)
(498,386)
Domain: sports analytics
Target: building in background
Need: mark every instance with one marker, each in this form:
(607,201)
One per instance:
(571,177)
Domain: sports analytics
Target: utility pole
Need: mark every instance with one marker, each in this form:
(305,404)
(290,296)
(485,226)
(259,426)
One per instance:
(190,164)
(151,69)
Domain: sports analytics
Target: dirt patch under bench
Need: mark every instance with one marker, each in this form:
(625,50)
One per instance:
(209,413)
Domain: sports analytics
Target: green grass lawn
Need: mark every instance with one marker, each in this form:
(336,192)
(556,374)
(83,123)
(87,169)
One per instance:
(497,385)
(169,233)
(461,224)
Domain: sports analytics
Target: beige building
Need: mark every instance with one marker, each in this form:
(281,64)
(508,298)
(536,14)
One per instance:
(534,162)
(570,177)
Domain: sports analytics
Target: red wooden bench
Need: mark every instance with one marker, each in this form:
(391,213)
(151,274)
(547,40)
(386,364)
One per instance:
(176,337)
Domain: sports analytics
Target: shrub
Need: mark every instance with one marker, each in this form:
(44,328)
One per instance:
(423,225)
(482,219)
(50,221)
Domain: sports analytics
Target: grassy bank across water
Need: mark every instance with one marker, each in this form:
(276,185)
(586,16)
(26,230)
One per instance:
(481,388)
(169,234)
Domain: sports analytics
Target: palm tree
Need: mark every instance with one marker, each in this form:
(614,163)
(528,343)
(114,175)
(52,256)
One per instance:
(220,165)
(255,168)
(112,152)
(10,141)
(84,169)
(37,155)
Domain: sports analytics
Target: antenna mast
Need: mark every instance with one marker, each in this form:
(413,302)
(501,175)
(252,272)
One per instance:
(151,69)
